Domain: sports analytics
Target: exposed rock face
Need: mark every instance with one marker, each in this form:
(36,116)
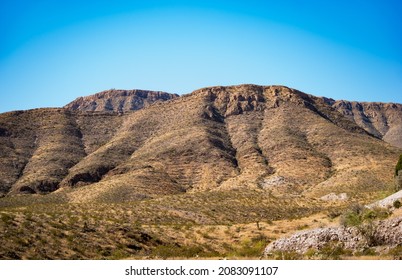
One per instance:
(316,239)
(388,201)
(334,197)
(386,233)
(119,100)
(383,120)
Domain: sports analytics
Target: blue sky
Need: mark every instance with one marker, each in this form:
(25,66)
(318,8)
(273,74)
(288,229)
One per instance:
(54,51)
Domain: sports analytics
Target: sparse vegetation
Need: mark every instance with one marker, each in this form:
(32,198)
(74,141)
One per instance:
(362,218)
(396,252)
(287,255)
(176,251)
(398,165)
(334,213)
(331,251)
(358,215)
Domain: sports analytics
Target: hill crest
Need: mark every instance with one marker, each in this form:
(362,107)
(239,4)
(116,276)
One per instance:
(119,100)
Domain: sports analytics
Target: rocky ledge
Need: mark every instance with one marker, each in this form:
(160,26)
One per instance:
(382,233)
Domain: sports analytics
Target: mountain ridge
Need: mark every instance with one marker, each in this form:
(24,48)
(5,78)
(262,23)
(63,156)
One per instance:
(118,100)
(383,120)
(215,137)
(374,117)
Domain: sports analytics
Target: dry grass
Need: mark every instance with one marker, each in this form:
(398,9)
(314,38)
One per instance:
(108,231)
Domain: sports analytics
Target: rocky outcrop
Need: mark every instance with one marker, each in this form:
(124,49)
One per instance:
(388,232)
(334,197)
(384,233)
(383,120)
(388,201)
(316,239)
(119,100)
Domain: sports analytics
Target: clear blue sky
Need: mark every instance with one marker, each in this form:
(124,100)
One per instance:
(54,51)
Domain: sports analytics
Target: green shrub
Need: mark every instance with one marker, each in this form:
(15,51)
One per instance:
(251,248)
(353,217)
(375,213)
(397,204)
(357,215)
(362,218)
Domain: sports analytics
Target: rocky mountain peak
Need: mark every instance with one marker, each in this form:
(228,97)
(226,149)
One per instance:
(234,100)
(119,100)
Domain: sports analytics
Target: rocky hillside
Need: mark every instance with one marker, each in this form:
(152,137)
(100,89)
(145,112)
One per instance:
(118,100)
(271,138)
(383,120)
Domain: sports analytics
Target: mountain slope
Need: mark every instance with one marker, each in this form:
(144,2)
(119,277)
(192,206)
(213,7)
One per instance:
(217,173)
(37,149)
(383,120)
(272,138)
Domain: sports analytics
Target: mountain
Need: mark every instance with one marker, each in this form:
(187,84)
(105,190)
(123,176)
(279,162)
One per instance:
(220,172)
(272,138)
(383,120)
(119,100)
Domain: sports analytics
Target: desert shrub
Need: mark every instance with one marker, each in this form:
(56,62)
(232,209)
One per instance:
(333,213)
(6,218)
(332,251)
(353,217)
(175,251)
(396,252)
(310,253)
(366,252)
(368,231)
(363,219)
(119,254)
(253,247)
(287,255)
(375,214)
(397,204)
(301,227)
(398,165)
(357,215)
